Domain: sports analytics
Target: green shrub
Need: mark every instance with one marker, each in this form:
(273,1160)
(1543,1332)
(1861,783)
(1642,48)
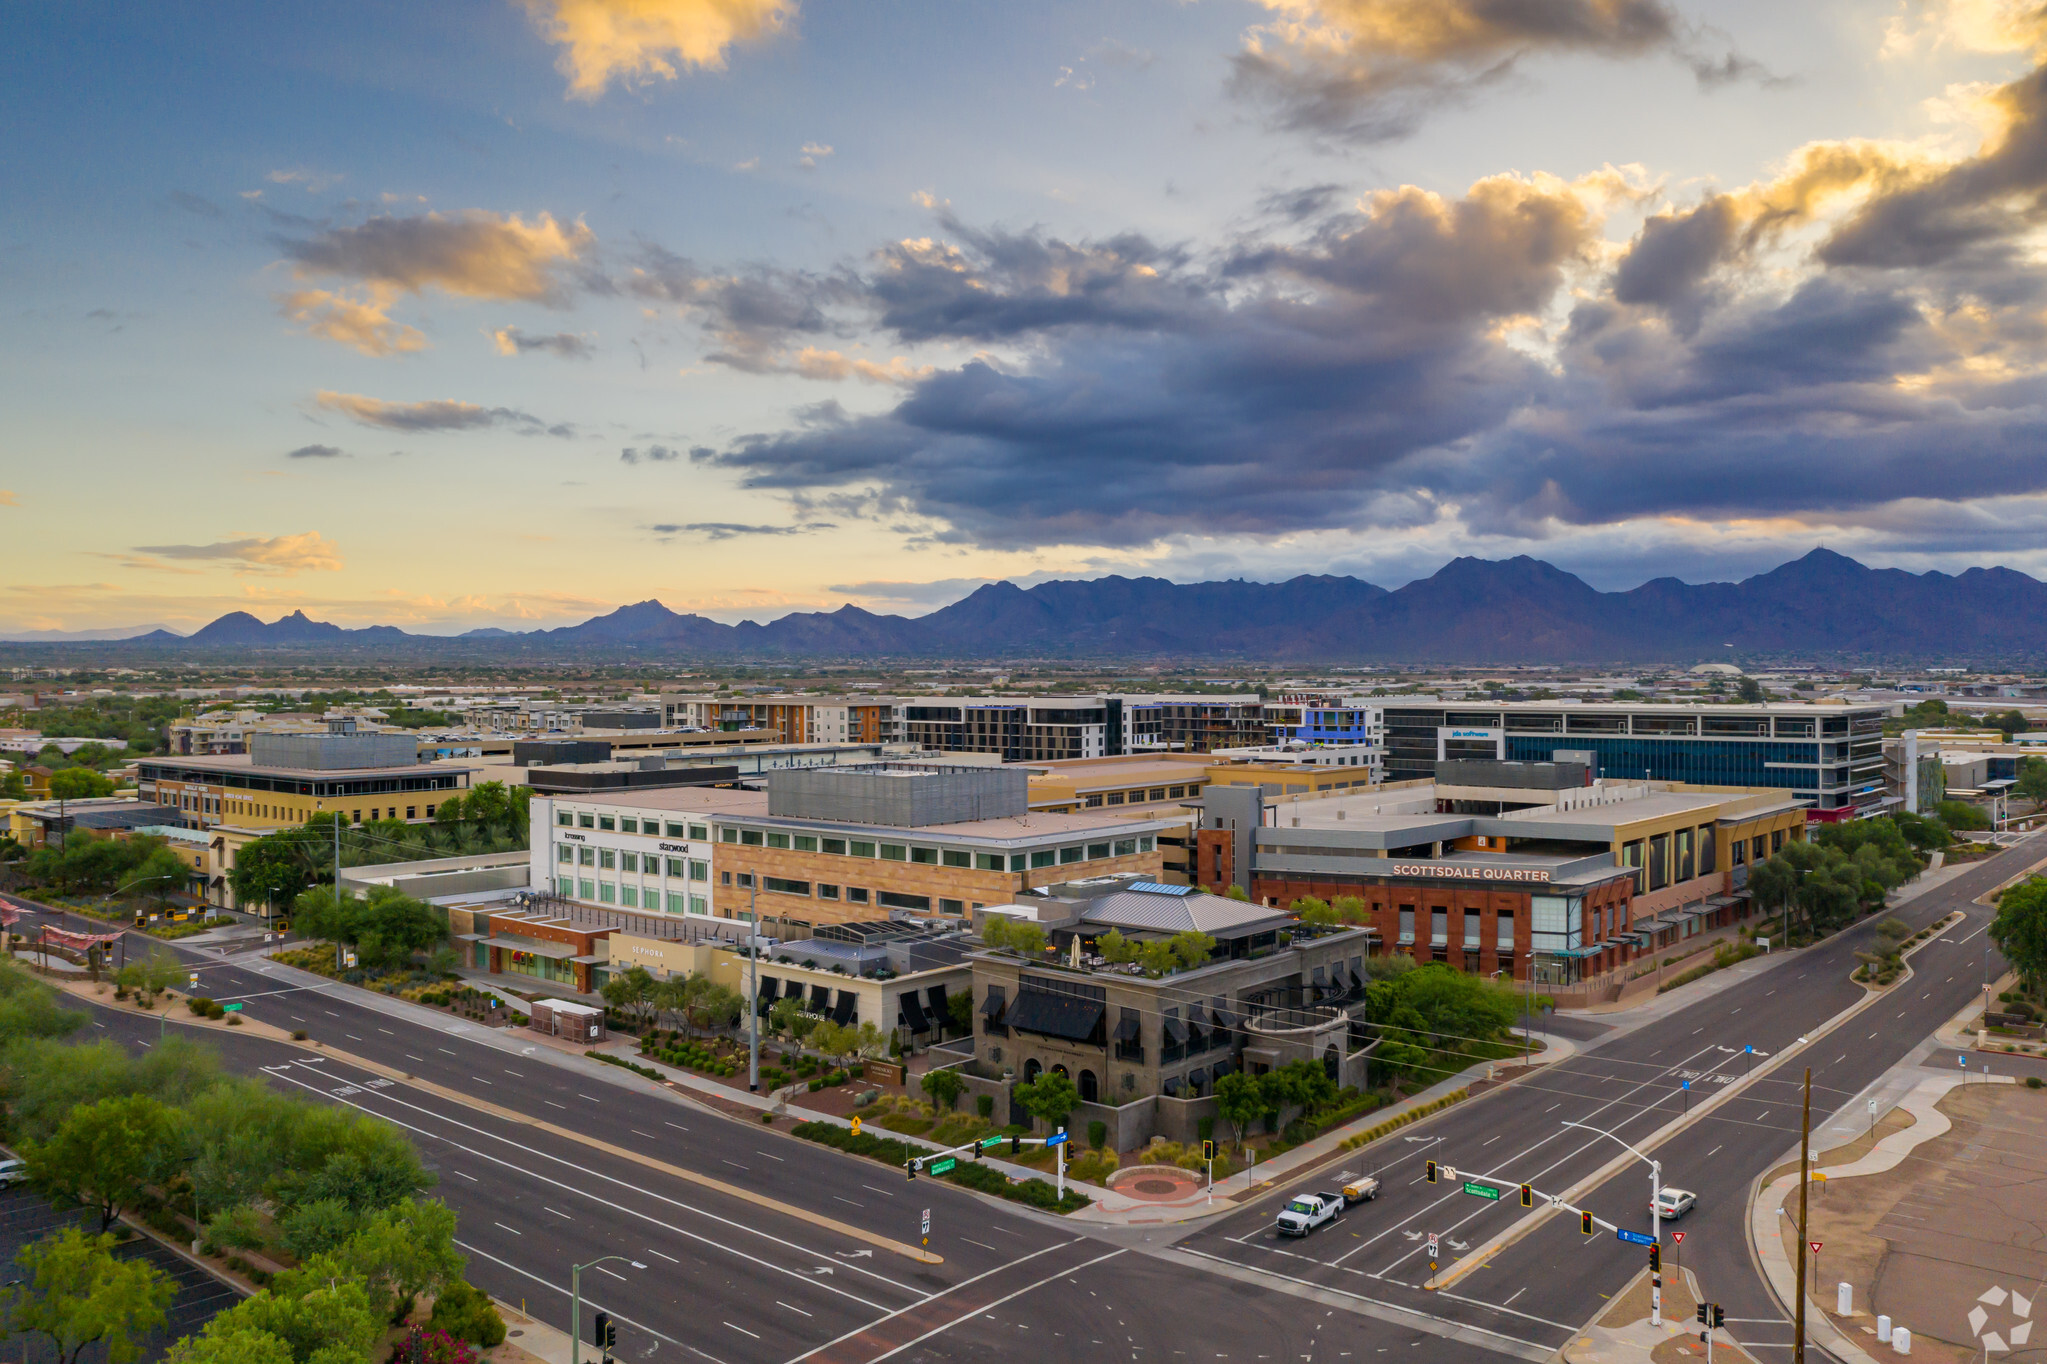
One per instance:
(199,1004)
(2032,1082)
(1098,1134)
(464,1311)
(984,1104)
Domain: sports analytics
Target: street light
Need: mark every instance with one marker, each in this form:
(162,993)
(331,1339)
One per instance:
(1655,1216)
(576,1302)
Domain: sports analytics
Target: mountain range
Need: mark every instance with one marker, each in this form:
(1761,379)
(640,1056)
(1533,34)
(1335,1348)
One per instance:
(1519,610)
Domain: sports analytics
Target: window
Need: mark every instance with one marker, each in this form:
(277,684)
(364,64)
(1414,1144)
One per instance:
(1016,861)
(1043,857)
(1094,802)
(607,892)
(1504,936)
(856,895)
(587,856)
(677,867)
(564,885)
(1115,798)
(834,846)
(1126,847)
(988,861)
(587,821)
(778,840)
(724,878)
(890,899)
(630,862)
(924,857)
(606,822)
(1095,850)
(1739,849)
(806,843)
(567,854)
(1776,841)
(750,837)
(1178,791)
(606,858)
(678,903)
(1439,926)
(781,885)
(1156,793)
(564,818)
(630,896)
(1147,843)
(1073,854)
(955,858)
(860,848)
(699,871)
(412,812)
(728,835)
(698,905)
(746,880)
(1709,859)
(697,831)
(677,830)
(951,907)
(1756,853)
(628,826)
(586,890)
(894,852)
(826,892)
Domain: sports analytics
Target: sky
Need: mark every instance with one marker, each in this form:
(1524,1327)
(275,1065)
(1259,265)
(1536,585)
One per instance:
(508,312)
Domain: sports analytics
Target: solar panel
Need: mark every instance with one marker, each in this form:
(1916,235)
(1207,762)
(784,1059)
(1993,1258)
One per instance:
(1158,888)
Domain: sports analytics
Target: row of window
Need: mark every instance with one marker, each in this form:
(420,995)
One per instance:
(1140,797)
(852,895)
(936,857)
(613,859)
(630,896)
(631,824)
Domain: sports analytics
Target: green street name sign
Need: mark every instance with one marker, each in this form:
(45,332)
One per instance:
(987,1142)
(230,1008)
(1481,1190)
(939,1167)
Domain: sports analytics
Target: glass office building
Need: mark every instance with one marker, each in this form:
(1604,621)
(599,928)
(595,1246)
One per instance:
(1829,755)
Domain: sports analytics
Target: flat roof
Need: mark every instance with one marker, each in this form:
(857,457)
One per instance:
(242,762)
(733,803)
(1667,707)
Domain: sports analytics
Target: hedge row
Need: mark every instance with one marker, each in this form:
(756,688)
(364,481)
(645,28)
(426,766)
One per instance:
(1372,1134)
(975,1175)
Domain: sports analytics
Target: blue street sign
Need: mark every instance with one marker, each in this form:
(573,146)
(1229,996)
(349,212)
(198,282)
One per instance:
(1688,1084)
(1750,1049)
(1634,1238)
(1056,1139)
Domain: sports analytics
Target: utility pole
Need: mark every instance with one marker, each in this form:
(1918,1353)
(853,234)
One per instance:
(1804,1175)
(753,955)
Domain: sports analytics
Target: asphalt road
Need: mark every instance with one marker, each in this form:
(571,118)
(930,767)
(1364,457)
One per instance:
(1550,1283)
(731,1280)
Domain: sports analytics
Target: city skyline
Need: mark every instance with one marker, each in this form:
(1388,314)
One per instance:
(507,314)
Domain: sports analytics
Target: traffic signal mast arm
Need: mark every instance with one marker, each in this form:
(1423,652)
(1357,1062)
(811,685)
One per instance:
(1455,1175)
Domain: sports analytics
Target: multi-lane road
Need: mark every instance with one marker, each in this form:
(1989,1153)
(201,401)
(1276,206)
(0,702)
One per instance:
(738,1243)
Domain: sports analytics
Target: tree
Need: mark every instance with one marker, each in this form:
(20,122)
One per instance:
(1310,910)
(1237,893)
(403,1251)
(79,783)
(1240,1101)
(104,1153)
(277,868)
(2032,781)
(959,1012)
(1298,1084)
(1049,1098)
(944,1086)
(161,874)
(1749,691)
(77,1293)
(393,926)
(333,1323)
(2020,929)
(635,993)
(1351,909)
(1959,815)
(1014,935)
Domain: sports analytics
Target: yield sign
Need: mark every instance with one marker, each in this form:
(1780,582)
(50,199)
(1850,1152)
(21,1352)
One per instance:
(1815,1246)
(1677,1238)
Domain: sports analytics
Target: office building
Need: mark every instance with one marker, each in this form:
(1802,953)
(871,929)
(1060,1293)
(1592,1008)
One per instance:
(1826,755)
(1050,728)
(790,719)
(286,779)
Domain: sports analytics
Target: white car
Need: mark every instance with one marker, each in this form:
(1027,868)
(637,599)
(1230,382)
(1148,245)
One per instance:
(12,1172)
(1672,1204)
(1306,1211)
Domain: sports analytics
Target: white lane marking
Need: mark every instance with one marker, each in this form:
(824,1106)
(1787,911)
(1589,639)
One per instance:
(514,1230)
(557,1212)
(759,1152)
(616,1315)
(471,1178)
(797,1310)
(943,1292)
(670,1258)
(552,1104)
(676,1125)
(942,1329)
(410,1057)
(982,1244)
(886,1194)
(742,1330)
(586,1098)
(602,1270)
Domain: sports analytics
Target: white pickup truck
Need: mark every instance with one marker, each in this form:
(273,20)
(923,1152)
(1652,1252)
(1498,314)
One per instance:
(1306,1211)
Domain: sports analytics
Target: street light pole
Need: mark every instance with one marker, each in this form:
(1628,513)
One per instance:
(753,955)
(1655,1219)
(576,1303)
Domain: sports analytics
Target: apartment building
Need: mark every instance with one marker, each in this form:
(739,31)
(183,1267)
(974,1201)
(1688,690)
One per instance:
(286,779)
(791,719)
(823,846)
(1324,717)
(1829,756)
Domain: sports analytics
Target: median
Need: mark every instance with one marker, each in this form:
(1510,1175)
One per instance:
(974,1175)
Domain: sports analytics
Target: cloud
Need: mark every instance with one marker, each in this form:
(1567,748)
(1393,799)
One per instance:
(361,323)
(314,181)
(473,254)
(812,363)
(813,152)
(752,314)
(8,499)
(317,452)
(638,41)
(653,454)
(567,345)
(730,530)
(1371,70)
(433,415)
(285,554)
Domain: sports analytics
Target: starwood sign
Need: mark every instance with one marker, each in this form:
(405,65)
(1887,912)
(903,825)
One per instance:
(1459,871)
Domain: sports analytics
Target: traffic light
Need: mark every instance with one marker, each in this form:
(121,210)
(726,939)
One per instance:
(1429,1172)
(1208,1150)
(1585,1222)
(607,1332)
(1703,1313)
(1719,1316)
(910,1167)
(1656,1259)
(1015,1145)
(1527,1195)
(977,1149)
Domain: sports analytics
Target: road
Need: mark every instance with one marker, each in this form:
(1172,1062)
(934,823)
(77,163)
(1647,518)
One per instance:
(729,1279)
(1540,1289)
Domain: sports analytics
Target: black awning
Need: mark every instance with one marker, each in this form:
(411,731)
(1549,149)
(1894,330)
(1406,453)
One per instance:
(1197,1077)
(770,987)
(913,1013)
(820,998)
(1321,977)
(1219,1015)
(1176,1031)
(1050,1015)
(992,1006)
(1172,1087)
(762,1003)
(843,1014)
(1223,1068)
(936,994)
(1126,1031)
